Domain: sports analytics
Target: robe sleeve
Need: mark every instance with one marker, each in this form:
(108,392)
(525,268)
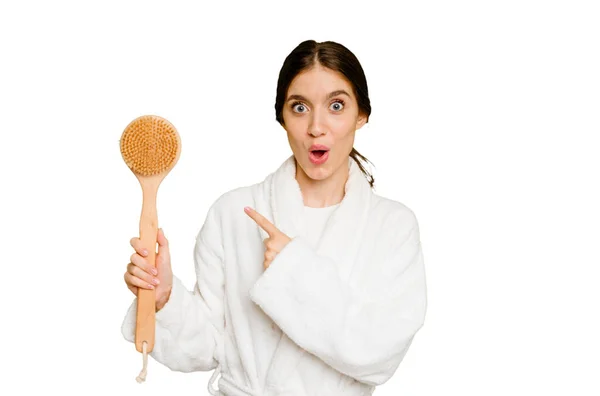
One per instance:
(190,326)
(361,330)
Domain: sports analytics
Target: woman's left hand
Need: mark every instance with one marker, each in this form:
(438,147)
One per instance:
(276,241)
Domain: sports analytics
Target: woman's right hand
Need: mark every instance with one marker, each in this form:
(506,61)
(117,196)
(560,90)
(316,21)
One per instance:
(141,274)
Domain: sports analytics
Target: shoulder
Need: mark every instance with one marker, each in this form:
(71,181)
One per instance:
(233,200)
(221,213)
(396,212)
(396,221)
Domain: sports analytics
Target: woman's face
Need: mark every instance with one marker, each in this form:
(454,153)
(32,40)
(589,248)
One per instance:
(321,108)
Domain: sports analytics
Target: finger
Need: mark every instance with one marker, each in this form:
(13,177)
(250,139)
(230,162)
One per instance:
(163,243)
(261,221)
(135,281)
(139,273)
(269,255)
(136,244)
(270,245)
(133,289)
(142,263)
(267,263)
(268,242)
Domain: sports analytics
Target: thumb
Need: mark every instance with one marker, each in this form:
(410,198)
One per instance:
(163,243)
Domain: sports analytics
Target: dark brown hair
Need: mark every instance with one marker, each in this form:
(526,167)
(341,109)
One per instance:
(333,56)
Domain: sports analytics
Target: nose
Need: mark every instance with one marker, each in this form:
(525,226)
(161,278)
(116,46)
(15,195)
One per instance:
(317,124)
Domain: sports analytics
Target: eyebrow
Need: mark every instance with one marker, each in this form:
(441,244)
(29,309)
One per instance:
(331,95)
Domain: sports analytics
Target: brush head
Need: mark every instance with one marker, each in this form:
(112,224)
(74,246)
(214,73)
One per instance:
(150,145)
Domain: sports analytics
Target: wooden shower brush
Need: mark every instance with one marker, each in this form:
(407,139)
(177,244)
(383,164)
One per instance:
(150,146)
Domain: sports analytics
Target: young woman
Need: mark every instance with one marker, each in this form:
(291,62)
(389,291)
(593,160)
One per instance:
(308,283)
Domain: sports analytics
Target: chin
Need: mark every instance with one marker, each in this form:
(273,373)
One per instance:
(316,172)
(319,174)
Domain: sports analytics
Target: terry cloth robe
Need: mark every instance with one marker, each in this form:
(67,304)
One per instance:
(332,318)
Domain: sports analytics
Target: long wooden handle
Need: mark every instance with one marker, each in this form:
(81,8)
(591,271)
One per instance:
(146,302)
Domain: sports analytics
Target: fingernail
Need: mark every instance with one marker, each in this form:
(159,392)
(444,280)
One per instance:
(154,271)
(145,252)
(155,281)
(150,286)
(247,209)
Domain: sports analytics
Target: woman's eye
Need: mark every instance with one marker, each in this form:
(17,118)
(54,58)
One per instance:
(298,105)
(337,105)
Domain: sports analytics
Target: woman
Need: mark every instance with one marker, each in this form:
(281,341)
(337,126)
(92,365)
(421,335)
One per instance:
(318,288)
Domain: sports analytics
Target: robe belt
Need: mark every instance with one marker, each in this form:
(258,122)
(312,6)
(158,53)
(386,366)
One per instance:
(227,387)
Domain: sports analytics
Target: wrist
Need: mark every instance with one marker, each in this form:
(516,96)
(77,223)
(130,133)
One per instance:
(162,300)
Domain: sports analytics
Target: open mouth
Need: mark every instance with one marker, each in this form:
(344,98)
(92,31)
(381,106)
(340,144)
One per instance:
(318,157)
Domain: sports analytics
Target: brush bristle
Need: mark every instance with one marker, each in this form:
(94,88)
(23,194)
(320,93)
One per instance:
(149,145)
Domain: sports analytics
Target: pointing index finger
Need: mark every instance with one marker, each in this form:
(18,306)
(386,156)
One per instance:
(261,221)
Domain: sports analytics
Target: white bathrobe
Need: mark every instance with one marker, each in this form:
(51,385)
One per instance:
(332,319)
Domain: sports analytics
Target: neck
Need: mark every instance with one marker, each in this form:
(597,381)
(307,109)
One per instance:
(322,193)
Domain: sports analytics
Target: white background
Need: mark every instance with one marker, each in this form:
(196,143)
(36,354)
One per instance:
(485,122)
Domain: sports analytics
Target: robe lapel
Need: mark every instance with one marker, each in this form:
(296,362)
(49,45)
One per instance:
(340,241)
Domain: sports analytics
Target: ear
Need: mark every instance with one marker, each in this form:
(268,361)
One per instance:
(361,120)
